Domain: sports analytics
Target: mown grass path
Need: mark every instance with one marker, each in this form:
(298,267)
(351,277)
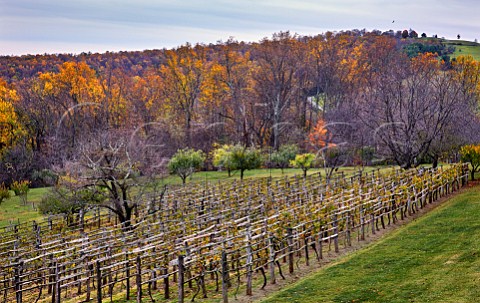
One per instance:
(436,258)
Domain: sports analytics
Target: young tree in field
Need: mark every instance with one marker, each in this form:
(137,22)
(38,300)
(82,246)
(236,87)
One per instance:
(471,154)
(323,140)
(303,161)
(283,156)
(222,157)
(4,193)
(185,162)
(21,189)
(244,158)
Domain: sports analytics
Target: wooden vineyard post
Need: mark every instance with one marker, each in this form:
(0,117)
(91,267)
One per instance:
(88,270)
(224,277)
(372,220)
(249,263)
(127,276)
(181,272)
(98,218)
(271,263)
(98,271)
(18,281)
(51,273)
(139,279)
(290,249)
(307,256)
(320,244)
(165,283)
(347,223)
(58,287)
(54,283)
(154,274)
(362,224)
(335,232)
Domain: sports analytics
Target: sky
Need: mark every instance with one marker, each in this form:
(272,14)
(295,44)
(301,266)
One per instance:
(75,26)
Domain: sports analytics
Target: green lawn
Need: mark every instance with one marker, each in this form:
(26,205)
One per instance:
(214,176)
(464,48)
(433,259)
(13,209)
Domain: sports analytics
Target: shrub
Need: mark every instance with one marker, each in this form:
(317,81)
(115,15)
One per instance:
(4,193)
(471,153)
(45,177)
(283,156)
(303,161)
(185,162)
(244,158)
(222,157)
(21,188)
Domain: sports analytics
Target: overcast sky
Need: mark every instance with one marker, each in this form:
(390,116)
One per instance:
(74,26)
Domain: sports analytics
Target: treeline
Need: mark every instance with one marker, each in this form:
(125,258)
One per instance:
(336,94)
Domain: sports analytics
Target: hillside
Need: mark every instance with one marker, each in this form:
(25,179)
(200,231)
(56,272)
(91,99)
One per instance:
(464,48)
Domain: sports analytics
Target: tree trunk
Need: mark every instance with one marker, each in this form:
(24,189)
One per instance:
(435,161)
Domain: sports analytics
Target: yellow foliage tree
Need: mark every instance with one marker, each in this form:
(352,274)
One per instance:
(467,71)
(471,153)
(183,76)
(75,92)
(10,127)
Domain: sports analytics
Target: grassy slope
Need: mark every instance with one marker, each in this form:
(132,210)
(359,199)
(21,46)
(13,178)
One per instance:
(434,259)
(13,210)
(464,48)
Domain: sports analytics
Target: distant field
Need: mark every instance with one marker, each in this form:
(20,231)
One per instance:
(433,259)
(464,48)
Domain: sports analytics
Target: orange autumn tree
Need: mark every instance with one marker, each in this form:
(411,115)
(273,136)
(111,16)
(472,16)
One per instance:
(74,94)
(10,127)
(183,76)
(331,154)
(320,137)
(467,71)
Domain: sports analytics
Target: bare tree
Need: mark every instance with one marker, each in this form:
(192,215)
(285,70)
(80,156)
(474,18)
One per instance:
(111,162)
(276,79)
(408,105)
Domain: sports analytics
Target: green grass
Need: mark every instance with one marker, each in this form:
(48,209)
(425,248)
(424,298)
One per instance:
(214,176)
(12,210)
(433,259)
(464,48)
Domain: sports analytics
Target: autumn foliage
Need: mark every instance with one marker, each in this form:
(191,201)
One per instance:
(282,90)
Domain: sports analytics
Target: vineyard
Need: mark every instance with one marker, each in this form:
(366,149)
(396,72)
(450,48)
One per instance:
(211,240)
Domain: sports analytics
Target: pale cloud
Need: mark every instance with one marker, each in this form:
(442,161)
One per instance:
(53,26)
